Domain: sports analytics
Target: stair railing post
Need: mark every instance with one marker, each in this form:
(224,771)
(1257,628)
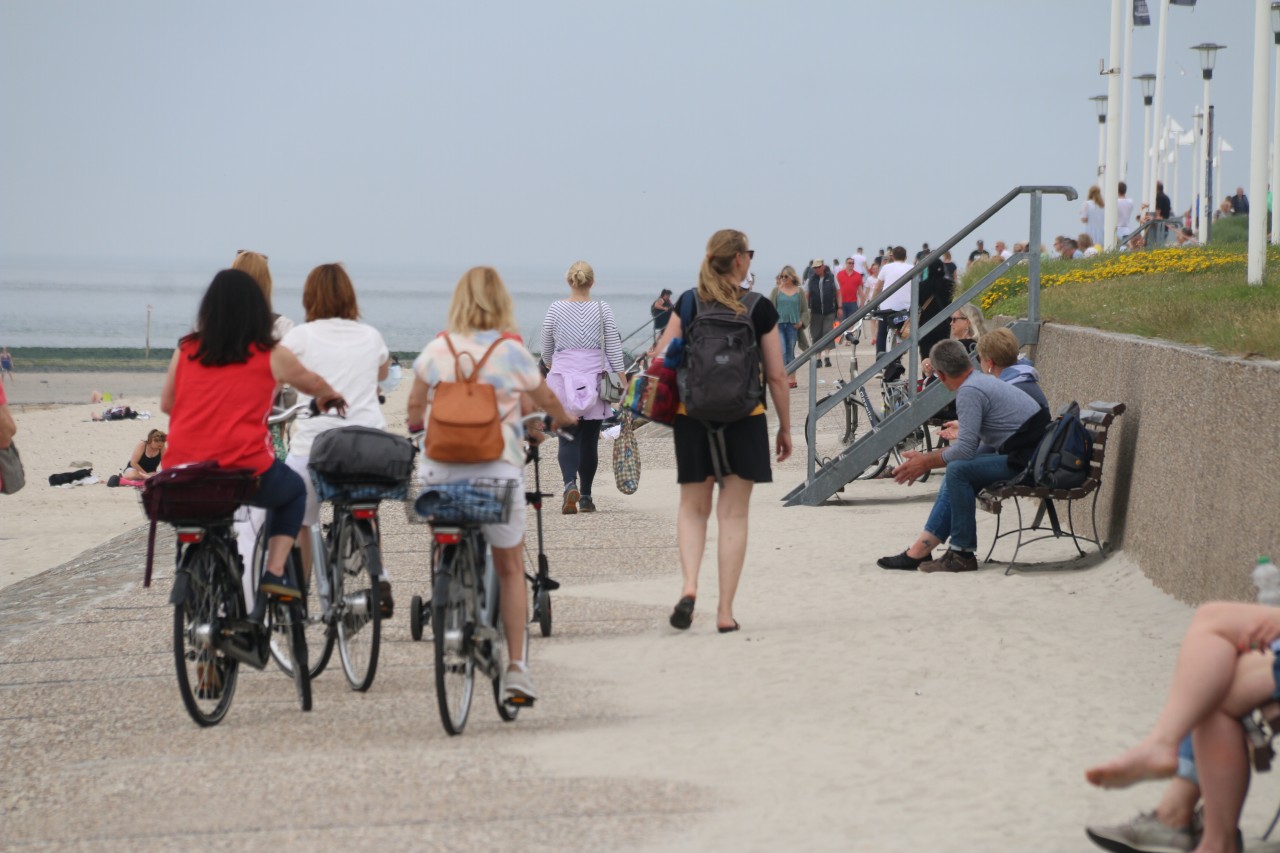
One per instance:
(811,422)
(913,354)
(1033,264)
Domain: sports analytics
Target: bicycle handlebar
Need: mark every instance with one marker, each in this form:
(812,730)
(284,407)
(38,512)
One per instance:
(311,410)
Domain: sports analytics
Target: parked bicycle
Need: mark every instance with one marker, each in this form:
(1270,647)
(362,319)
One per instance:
(213,632)
(829,444)
(465,612)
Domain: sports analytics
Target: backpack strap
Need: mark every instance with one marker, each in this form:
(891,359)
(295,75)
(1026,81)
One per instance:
(475,370)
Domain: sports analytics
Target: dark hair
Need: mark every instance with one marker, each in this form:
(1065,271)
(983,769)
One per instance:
(1122,187)
(665,292)
(899,253)
(233,318)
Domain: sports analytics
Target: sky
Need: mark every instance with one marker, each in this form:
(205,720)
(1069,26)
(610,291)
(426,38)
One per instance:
(406,134)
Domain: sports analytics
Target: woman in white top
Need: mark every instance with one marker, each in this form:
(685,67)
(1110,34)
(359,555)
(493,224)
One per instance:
(482,316)
(578,336)
(352,357)
(1091,214)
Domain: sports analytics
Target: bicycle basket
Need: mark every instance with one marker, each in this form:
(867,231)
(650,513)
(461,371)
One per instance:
(330,488)
(479,501)
(201,491)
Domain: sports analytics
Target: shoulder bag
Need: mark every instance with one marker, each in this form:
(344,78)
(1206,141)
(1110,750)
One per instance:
(613,385)
(12,477)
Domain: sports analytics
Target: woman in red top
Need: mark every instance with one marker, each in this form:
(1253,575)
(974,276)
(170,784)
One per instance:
(218,393)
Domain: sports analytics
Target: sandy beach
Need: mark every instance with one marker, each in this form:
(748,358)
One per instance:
(858,709)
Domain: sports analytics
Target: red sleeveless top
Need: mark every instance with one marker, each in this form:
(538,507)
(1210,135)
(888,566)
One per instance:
(220,413)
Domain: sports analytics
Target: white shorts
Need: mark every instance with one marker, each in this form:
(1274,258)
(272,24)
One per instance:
(510,533)
(298,464)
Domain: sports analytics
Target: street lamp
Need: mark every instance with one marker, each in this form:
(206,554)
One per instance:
(1275,137)
(1208,57)
(1100,104)
(1148,82)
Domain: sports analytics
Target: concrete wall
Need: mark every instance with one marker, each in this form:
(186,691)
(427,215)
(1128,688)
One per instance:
(1192,480)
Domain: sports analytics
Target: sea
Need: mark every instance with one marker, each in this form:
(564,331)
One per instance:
(115,305)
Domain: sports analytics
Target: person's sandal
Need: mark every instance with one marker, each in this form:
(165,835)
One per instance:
(729,629)
(682,616)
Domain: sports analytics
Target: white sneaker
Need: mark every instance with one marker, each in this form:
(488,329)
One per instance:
(1144,834)
(518,683)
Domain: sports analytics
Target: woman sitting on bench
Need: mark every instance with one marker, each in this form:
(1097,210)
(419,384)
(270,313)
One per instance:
(1225,669)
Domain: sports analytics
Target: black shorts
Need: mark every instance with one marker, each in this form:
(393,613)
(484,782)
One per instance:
(747,443)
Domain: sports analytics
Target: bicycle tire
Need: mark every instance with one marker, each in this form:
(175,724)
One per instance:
(211,598)
(498,655)
(416,620)
(359,627)
(293,616)
(319,635)
(453,615)
(828,445)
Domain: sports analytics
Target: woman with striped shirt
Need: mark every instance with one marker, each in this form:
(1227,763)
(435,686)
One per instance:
(572,337)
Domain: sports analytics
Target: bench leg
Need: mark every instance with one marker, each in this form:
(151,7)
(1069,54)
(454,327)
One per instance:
(1017,546)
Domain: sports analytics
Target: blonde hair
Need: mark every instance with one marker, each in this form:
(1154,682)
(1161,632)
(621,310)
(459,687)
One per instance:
(715,282)
(789,272)
(580,276)
(157,433)
(1095,196)
(481,302)
(977,321)
(256,266)
(1000,347)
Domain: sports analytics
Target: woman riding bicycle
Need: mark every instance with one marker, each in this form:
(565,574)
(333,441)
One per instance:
(353,357)
(217,394)
(480,316)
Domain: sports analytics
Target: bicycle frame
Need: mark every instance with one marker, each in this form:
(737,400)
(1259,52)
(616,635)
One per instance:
(461,547)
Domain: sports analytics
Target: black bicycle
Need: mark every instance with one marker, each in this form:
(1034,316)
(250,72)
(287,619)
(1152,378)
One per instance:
(540,582)
(213,632)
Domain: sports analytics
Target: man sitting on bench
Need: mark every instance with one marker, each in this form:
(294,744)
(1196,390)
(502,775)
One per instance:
(992,414)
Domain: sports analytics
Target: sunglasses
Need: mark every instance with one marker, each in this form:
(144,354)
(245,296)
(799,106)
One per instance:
(959,319)
(243,251)
(750,253)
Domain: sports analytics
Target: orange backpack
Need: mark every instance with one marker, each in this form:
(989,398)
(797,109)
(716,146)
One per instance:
(464,424)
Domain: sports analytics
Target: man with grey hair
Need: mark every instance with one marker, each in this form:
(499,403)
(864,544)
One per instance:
(999,427)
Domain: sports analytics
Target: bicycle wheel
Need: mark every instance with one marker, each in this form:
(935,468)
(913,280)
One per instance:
(319,635)
(212,599)
(418,616)
(498,654)
(359,565)
(289,621)
(836,431)
(453,618)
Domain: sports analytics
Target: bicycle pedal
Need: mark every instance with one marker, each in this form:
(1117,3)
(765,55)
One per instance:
(550,585)
(519,701)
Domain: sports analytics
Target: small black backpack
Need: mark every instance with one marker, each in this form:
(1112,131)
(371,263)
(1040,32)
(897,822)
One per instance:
(1061,459)
(720,377)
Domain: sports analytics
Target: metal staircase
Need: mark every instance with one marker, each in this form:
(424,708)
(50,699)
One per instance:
(821,483)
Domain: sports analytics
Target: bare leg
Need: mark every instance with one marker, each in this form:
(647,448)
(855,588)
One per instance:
(923,547)
(278,548)
(691,530)
(304,548)
(1202,681)
(1223,764)
(512,597)
(1178,802)
(731,546)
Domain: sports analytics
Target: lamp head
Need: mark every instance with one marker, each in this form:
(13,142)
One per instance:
(1208,56)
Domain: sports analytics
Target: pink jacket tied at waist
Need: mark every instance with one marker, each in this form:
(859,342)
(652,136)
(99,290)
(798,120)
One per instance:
(575,380)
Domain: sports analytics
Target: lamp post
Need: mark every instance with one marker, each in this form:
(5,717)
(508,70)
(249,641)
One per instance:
(1257,253)
(1197,189)
(1148,82)
(1275,135)
(1208,57)
(1100,104)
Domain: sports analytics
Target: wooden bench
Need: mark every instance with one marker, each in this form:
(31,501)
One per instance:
(1097,418)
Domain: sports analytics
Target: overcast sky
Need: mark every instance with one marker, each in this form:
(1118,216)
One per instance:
(411,134)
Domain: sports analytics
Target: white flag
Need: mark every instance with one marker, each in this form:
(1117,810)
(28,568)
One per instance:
(1174,126)
(1188,138)
(1224,145)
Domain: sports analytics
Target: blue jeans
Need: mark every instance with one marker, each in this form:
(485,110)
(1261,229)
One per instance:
(789,333)
(284,495)
(1187,762)
(955,509)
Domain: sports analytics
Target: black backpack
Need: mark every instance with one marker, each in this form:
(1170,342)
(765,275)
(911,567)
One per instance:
(720,375)
(1061,459)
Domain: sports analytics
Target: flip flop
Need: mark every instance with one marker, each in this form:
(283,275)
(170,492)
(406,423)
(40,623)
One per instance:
(682,616)
(730,629)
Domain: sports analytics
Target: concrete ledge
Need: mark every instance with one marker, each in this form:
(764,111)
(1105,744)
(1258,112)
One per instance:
(1192,486)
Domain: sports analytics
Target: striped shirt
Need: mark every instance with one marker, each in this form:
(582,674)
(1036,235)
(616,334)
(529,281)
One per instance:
(576,325)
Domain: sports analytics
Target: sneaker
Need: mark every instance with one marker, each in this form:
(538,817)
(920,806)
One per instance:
(386,603)
(517,684)
(585,504)
(901,561)
(1143,834)
(279,586)
(571,502)
(952,561)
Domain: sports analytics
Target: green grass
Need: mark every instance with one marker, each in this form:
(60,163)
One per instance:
(66,359)
(1213,308)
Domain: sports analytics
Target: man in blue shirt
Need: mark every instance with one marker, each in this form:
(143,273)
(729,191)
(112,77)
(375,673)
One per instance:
(992,415)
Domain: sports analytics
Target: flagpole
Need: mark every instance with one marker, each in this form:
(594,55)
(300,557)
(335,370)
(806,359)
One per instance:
(1173,199)
(1258,144)
(1158,106)
(1114,73)
(1275,153)
(1126,85)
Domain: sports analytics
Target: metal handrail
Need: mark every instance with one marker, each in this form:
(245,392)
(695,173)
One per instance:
(908,279)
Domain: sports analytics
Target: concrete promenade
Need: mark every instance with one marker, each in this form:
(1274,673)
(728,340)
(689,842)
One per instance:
(858,709)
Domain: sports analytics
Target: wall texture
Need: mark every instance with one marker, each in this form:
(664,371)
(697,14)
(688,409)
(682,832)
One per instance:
(1192,481)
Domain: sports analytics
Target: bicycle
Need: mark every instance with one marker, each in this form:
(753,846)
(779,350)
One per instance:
(893,395)
(212,632)
(541,584)
(465,613)
(343,591)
